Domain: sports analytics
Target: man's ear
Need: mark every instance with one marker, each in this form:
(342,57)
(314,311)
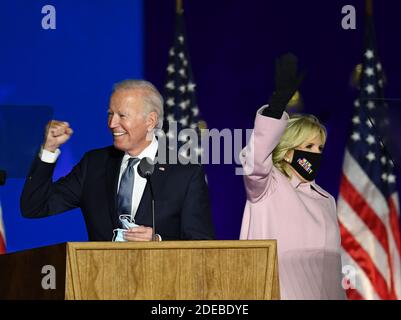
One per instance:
(152,120)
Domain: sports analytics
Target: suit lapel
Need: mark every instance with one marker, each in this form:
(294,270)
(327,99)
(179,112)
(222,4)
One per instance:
(112,174)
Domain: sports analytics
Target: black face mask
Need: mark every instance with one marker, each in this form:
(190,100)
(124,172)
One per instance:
(306,163)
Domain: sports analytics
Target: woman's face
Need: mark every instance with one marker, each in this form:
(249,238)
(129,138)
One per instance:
(312,144)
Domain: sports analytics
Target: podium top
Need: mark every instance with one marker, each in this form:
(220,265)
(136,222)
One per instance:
(190,244)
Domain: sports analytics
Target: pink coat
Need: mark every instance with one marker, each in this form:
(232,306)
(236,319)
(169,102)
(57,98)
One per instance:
(301,216)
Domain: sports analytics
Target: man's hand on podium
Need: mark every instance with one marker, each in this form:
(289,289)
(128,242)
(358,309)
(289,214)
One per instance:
(140,233)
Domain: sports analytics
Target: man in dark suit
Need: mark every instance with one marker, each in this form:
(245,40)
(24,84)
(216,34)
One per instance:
(101,186)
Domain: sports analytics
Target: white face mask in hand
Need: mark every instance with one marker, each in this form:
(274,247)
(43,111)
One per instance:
(127,223)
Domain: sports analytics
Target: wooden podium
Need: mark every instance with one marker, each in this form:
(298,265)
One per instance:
(167,270)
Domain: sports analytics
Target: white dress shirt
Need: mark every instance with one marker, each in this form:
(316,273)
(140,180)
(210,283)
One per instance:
(140,183)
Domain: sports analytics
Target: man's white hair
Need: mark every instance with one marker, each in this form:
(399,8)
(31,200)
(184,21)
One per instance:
(153,101)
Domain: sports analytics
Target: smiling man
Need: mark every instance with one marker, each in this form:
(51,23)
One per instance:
(106,185)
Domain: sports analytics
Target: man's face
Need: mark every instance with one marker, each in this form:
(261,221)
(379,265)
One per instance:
(127,121)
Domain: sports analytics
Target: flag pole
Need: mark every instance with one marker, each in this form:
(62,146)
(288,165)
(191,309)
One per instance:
(179,8)
(369,7)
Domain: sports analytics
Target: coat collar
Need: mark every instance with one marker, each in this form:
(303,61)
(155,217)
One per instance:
(112,175)
(149,152)
(308,187)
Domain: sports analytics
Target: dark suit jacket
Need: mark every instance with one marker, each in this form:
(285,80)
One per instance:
(182,209)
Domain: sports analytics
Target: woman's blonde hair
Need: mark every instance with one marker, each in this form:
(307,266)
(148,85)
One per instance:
(299,129)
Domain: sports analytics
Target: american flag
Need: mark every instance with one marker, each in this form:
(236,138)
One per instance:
(180,98)
(2,234)
(368,207)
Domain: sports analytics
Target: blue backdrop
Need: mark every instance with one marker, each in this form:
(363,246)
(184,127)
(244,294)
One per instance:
(232,43)
(71,69)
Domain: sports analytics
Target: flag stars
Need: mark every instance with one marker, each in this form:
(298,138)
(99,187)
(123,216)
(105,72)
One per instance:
(170,85)
(182,72)
(184,104)
(391,178)
(170,102)
(371,156)
(370,89)
(184,121)
(356,120)
(370,72)
(182,88)
(356,103)
(170,118)
(191,86)
(383,160)
(370,139)
(195,111)
(370,123)
(371,105)
(180,97)
(170,134)
(170,68)
(379,67)
(369,54)
(356,136)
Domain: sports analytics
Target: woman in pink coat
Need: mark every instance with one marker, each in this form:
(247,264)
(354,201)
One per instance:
(284,202)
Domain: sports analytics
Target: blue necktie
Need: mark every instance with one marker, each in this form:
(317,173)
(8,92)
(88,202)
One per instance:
(124,196)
